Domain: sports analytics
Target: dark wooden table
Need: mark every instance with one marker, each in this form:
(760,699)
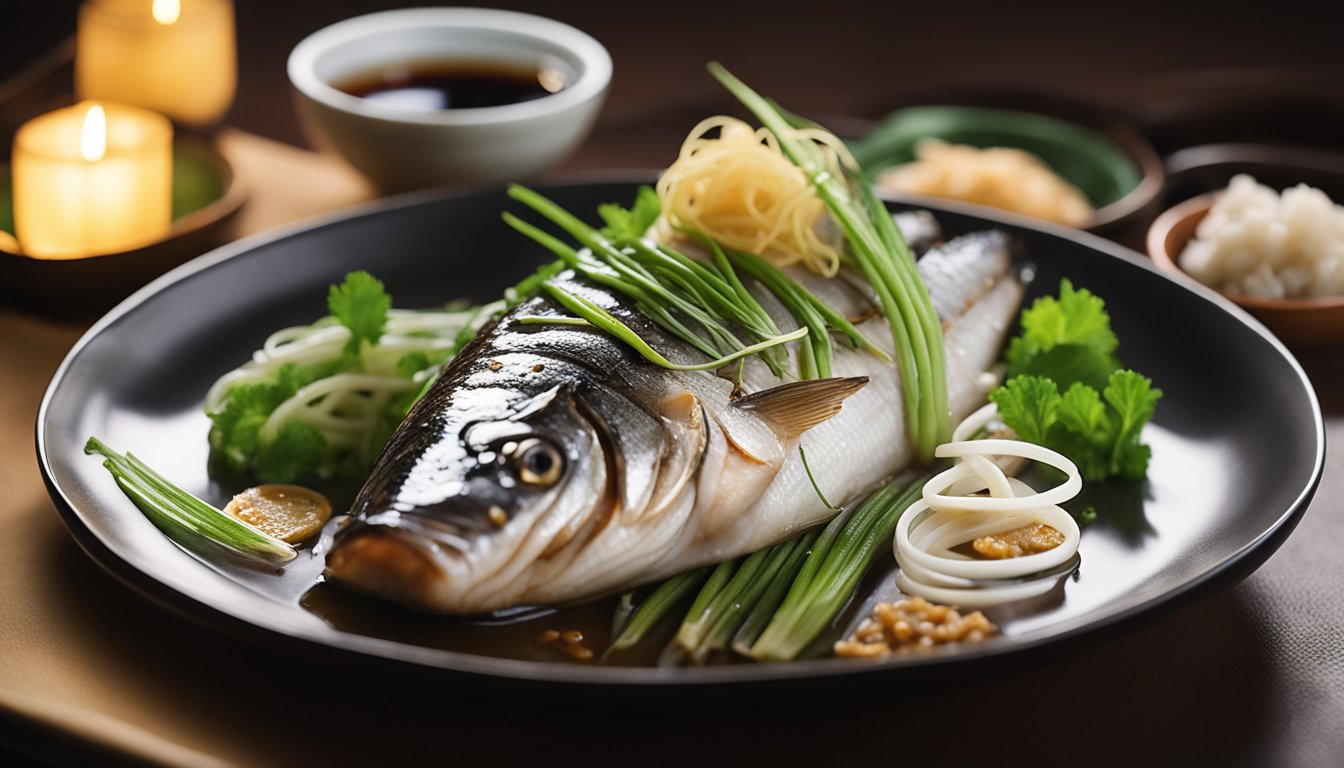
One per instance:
(1251,676)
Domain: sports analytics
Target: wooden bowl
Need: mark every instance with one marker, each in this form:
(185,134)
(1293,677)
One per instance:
(1298,323)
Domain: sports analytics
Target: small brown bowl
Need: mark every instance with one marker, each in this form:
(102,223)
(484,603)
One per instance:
(1297,322)
(206,199)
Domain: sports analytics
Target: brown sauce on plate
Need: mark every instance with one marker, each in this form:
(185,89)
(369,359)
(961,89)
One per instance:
(530,633)
(517,634)
(429,86)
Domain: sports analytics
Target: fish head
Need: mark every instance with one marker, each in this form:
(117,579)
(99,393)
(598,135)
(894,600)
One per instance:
(508,479)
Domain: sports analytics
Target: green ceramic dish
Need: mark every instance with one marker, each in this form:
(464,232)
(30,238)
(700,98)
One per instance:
(1119,173)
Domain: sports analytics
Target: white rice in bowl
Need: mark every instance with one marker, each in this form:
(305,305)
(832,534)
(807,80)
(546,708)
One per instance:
(1256,242)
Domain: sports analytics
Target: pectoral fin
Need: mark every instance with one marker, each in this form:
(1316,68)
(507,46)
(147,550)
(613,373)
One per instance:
(681,407)
(792,409)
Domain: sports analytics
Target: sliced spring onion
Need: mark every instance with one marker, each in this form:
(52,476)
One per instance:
(832,571)
(184,518)
(695,632)
(654,607)
(759,615)
(322,342)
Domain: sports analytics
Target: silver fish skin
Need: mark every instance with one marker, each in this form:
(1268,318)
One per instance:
(552,463)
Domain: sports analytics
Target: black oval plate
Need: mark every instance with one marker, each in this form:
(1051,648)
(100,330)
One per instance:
(1238,441)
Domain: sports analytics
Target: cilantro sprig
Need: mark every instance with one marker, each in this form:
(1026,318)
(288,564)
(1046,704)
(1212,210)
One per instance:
(360,304)
(391,356)
(634,222)
(1067,339)
(1067,391)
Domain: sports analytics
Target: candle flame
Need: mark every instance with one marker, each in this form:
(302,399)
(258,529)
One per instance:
(93,135)
(166,11)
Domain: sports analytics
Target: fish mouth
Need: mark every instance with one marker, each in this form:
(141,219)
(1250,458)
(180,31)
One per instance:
(391,564)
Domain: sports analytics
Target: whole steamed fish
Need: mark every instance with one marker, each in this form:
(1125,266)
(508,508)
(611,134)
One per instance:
(551,463)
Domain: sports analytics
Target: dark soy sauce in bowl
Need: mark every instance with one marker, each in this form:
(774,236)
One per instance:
(430,86)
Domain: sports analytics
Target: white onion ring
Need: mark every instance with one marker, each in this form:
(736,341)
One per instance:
(975,422)
(947,516)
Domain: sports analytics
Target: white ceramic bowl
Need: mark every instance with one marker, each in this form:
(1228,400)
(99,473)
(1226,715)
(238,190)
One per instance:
(401,149)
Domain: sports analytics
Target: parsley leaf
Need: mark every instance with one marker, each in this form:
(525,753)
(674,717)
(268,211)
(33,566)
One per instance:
(1028,404)
(1098,432)
(1134,399)
(294,455)
(250,443)
(412,363)
(1080,410)
(1067,339)
(632,223)
(361,305)
(1067,344)
(1068,364)
(235,429)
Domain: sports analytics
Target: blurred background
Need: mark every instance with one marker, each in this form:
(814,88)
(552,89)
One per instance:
(1182,73)
(1246,69)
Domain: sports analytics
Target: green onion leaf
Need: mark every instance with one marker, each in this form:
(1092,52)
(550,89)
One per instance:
(831,573)
(878,248)
(184,518)
(657,605)
(608,322)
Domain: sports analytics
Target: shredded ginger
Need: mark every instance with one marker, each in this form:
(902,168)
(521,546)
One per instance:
(740,189)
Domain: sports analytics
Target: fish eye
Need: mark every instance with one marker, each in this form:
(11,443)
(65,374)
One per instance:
(539,462)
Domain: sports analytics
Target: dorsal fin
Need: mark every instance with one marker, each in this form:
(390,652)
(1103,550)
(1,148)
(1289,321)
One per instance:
(794,408)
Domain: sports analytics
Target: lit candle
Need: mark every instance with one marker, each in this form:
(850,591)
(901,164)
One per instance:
(176,57)
(92,178)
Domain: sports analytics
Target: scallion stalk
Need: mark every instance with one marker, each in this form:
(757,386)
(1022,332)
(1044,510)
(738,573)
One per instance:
(181,516)
(658,604)
(699,622)
(663,284)
(733,607)
(608,322)
(799,300)
(776,603)
(827,580)
(629,278)
(881,255)
(718,580)
(759,615)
